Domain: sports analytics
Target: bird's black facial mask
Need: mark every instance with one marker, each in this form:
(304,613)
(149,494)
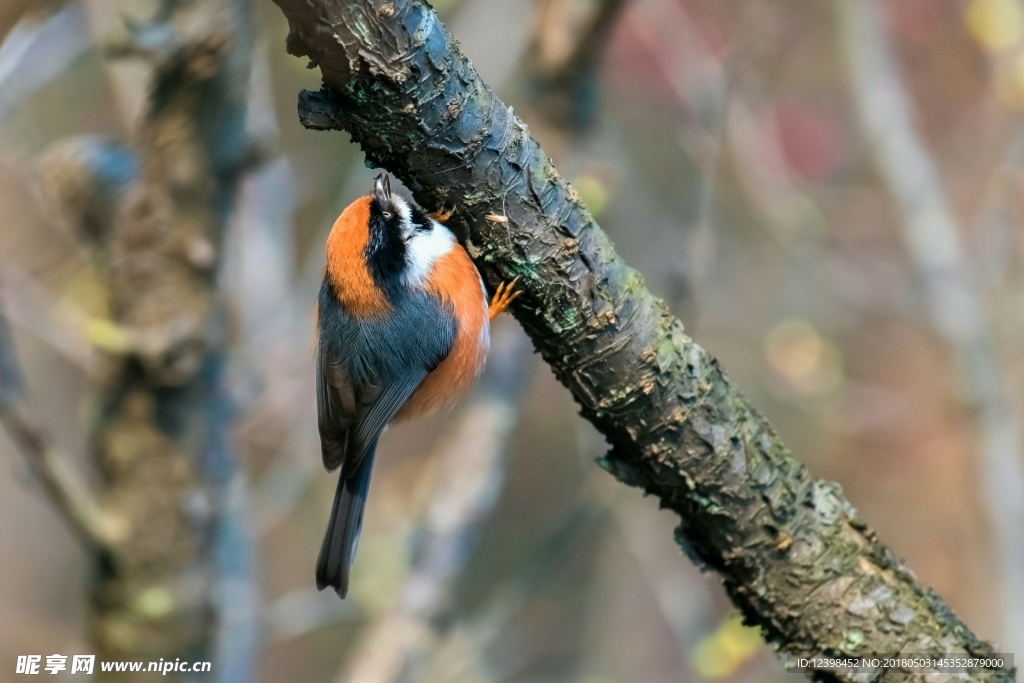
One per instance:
(385,248)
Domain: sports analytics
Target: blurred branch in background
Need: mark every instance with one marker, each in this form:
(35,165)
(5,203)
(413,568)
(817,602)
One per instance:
(67,489)
(153,215)
(561,65)
(796,557)
(399,646)
(956,307)
(463,655)
(40,46)
(729,126)
(56,322)
(281,346)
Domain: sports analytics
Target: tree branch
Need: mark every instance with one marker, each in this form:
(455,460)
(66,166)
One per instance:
(794,555)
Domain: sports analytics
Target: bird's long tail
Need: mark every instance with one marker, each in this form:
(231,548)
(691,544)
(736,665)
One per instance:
(339,546)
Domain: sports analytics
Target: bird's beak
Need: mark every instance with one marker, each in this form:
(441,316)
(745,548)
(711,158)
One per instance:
(382,187)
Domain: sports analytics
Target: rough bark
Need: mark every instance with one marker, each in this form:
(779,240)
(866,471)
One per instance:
(154,215)
(793,554)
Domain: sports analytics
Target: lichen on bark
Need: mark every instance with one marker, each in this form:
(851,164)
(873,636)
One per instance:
(793,554)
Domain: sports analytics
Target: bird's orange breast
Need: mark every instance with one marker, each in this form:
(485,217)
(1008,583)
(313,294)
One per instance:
(455,279)
(346,262)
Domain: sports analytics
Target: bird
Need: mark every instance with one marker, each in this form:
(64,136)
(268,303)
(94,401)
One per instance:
(403,330)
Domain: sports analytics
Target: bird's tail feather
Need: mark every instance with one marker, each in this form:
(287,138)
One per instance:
(339,546)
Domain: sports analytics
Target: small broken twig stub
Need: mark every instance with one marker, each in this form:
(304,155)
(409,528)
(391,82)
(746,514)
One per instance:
(794,555)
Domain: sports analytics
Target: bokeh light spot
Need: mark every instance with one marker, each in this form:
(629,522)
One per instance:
(154,602)
(812,140)
(721,653)
(995,24)
(811,364)
(593,191)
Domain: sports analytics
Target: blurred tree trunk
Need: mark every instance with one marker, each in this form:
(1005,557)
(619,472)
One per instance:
(794,555)
(154,216)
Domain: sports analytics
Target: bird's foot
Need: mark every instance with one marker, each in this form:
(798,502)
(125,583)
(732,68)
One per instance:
(442,214)
(505,295)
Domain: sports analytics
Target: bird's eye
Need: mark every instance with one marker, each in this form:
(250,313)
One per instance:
(387,214)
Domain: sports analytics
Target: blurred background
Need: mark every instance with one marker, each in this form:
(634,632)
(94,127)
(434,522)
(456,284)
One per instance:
(829,195)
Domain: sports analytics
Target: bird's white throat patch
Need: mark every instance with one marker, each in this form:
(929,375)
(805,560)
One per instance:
(404,214)
(423,249)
